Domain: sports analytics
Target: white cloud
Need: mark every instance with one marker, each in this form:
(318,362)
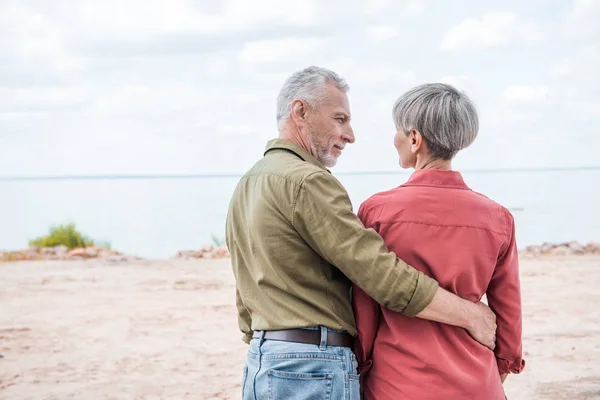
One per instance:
(561,68)
(234,130)
(526,94)
(583,21)
(194,82)
(584,111)
(381,33)
(136,100)
(303,13)
(283,49)
(364,73)
(30,39)
(458,81)
(218,65)
(142,18)
(381,6)
(494,29)
(582,66)
(578,88)
(46,96)
(578,75)
(382,74)
(23,116)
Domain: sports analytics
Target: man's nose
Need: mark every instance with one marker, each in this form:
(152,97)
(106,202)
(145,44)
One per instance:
(348,135)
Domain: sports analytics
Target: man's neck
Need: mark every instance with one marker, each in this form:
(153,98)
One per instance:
(292,134)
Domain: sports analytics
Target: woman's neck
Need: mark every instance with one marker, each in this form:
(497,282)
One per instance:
(432,163)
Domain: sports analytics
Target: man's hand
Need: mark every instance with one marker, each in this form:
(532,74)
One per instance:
(482,325)
(476,318)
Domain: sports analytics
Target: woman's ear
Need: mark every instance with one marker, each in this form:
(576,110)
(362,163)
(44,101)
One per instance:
(416,140)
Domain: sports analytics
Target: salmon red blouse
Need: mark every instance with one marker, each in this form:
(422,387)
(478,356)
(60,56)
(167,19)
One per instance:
(465,241)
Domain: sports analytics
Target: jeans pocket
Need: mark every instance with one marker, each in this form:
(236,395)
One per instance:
(299,385)
(353,387)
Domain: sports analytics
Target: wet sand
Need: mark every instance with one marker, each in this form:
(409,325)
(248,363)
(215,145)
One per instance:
(168,330)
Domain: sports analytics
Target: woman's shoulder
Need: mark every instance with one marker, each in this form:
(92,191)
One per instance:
(380,199)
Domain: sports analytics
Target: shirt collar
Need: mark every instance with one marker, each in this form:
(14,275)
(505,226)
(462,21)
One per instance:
(281,144)
(437,177)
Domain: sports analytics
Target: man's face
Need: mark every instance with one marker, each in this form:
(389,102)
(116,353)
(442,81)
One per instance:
(329,127)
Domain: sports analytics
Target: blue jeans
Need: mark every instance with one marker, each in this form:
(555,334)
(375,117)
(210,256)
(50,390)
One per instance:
(277,370)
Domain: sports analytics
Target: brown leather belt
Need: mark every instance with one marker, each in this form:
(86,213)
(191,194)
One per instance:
(310,337)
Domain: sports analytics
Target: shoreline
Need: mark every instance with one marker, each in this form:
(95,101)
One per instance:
(209,252)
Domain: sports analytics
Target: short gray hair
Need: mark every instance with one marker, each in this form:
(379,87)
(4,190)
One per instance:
(446,117)
(308,85)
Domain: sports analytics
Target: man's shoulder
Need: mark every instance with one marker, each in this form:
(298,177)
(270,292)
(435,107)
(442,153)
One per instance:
(286,165)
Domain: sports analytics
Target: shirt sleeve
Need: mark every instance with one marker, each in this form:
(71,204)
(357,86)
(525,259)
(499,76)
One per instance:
(322,215)
(366,314)
(504,298)
(244,319)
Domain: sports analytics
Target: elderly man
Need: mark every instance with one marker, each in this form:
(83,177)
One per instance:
(297,246)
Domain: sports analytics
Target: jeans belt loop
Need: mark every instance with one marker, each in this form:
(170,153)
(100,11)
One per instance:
(323,344)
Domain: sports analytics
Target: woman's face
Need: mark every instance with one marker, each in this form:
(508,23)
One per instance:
(403,144)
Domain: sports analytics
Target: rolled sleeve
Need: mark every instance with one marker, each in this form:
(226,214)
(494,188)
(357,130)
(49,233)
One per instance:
(425,289)
(510,366)
(323,216)
(504,298)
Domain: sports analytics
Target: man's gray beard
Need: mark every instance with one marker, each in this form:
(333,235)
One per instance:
(322,154)
(327,159)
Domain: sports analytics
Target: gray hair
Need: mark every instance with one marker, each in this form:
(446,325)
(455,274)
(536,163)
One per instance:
(308,85)
(446,117)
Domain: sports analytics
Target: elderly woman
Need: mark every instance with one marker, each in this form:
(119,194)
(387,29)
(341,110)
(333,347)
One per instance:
(457,236)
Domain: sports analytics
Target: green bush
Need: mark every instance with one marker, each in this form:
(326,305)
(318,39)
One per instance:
(65,235)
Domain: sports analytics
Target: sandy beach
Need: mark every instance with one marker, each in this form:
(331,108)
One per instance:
(168,330)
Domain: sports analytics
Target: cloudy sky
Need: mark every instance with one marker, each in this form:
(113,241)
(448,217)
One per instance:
(189,87)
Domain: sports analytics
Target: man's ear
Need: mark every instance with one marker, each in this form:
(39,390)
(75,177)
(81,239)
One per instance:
(298,110)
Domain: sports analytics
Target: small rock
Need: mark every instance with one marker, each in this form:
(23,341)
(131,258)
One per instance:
(91,252)
(206,249)
(221,252)
(546,247)
(559,251)
(102,253)
(187,254)
(60,249)
(32,255)
(116,258)
(576,248)
(533,249)
(77,252)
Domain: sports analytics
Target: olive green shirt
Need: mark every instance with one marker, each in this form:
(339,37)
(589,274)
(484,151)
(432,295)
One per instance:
(296,246)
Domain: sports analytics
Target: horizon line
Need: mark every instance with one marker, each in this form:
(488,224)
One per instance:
(237,175)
